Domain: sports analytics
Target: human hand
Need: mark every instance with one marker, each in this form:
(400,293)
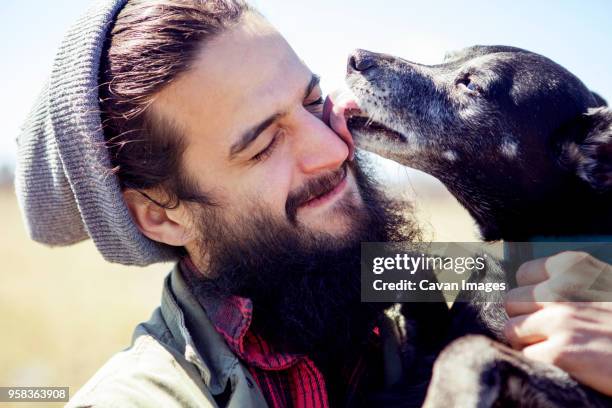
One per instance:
(547,325)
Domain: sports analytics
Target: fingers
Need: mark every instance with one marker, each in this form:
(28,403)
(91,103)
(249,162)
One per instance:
(545,351)
(521,300)
(567,276)
(530,328)
(532,272)
(556,320)
(578,339)
(543,324)
(568,263)
(524,330)
(530,299)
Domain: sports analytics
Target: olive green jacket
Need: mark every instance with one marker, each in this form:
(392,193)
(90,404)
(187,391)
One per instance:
(177,359)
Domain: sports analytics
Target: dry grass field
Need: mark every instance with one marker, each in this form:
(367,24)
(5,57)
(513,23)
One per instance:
(65,311)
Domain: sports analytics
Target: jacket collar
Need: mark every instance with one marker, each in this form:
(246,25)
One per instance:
(190,326)
(232,316)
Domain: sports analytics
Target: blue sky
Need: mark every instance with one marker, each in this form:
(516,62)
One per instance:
(576,34)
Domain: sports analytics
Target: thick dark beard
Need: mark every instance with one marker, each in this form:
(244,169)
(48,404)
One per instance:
(305,288)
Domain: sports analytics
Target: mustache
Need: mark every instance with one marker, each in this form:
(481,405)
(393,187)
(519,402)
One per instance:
(312,189)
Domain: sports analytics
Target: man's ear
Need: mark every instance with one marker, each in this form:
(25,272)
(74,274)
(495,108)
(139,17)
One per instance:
(168,226)
(589,152)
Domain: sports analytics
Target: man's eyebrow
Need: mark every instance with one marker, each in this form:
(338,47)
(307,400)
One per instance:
(249,136)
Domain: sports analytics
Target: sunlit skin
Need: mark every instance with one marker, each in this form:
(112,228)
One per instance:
(242,78)
(576,336)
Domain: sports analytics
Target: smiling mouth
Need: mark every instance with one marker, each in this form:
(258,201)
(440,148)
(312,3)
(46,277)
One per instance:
(330,194)
(357,120)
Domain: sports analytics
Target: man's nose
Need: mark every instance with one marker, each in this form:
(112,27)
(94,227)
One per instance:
(361,61)
(319,148)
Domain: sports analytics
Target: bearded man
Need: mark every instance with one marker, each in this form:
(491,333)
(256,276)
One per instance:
(191,131)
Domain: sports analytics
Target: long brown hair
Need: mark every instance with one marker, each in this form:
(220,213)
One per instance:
(151,44)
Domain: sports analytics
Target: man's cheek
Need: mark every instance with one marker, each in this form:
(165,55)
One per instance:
(272,192)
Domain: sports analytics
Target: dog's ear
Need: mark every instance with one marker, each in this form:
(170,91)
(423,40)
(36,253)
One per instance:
(589,152)
(599,100)
(453,55)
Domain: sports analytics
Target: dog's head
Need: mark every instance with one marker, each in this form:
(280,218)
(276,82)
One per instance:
(518,139)
(499,117)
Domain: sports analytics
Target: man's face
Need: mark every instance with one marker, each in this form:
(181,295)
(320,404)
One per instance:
(292,211)
(250,112)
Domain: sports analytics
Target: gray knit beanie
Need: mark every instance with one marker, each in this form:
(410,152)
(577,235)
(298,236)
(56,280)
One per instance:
(63,184)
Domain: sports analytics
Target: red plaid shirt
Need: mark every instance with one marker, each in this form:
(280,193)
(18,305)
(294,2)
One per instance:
(286,380)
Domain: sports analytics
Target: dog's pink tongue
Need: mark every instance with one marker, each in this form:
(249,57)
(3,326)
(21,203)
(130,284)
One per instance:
(334,114)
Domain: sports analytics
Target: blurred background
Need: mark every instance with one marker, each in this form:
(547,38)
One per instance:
(64,311)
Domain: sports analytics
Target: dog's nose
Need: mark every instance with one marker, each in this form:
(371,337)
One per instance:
(361,61)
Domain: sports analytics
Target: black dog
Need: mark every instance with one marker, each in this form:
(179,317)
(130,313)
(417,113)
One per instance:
(516,138)
(526,147)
